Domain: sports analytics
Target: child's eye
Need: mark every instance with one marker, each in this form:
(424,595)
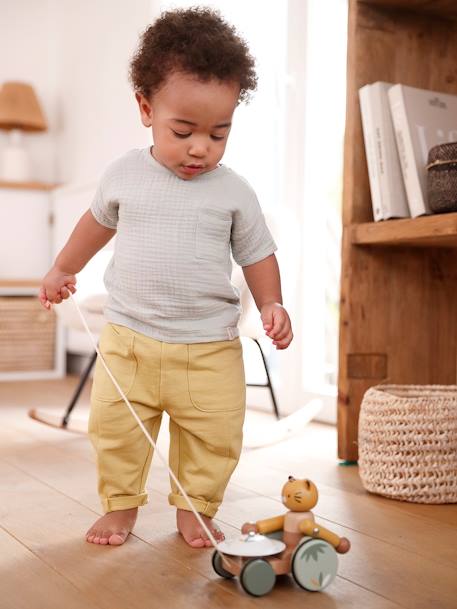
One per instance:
(217,137)
(181,135)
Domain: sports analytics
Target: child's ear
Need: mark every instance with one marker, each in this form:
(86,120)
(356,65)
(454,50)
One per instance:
(145,109)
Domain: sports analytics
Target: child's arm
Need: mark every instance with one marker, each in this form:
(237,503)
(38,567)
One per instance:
(268,525)
(264,282)
(308,527)
(87,238)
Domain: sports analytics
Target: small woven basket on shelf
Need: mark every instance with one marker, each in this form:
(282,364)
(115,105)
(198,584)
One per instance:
(408,442)
(442,178)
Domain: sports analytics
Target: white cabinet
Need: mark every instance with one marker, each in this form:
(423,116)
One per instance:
(25,232)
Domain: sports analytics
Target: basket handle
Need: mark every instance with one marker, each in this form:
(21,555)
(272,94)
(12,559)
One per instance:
(439,162)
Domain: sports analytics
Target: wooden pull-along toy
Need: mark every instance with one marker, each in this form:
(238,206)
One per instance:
(290,543)
(297,545)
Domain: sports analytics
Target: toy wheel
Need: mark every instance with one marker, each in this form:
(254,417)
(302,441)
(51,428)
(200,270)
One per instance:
(218,566)
(257,577)
(314,564)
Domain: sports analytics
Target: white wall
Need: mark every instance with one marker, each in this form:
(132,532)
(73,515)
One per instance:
(76,55)
(28,53)
(97,115)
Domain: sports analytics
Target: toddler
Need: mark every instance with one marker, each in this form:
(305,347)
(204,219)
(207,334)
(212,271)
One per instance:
(171,340)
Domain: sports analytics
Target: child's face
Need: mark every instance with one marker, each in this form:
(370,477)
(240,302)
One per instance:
(190,122)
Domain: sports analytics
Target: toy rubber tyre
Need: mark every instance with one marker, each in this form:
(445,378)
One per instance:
(314,564)
(218,567)
(257,577)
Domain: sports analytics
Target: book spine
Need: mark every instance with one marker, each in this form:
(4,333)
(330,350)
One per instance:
(369,136)
(393,192)
(411,180)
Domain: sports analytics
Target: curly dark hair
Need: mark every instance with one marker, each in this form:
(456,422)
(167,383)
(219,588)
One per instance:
(197,41)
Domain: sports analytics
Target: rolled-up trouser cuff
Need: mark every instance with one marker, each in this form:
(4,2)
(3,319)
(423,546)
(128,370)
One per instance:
(203,507)
(124,502)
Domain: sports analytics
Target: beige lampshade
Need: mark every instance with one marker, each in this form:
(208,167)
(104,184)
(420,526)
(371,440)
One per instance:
(19,108)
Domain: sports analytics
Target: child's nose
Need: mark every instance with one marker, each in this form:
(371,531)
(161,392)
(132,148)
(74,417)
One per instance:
(198,148)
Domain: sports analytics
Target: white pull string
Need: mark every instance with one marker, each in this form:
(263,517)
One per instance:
(145,431)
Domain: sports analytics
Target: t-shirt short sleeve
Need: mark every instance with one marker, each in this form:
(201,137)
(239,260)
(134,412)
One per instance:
(105,207)
(251,239)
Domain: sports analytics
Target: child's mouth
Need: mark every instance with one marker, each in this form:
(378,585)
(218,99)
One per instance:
(191,169)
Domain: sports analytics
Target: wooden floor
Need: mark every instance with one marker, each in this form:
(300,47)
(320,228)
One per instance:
(403,555)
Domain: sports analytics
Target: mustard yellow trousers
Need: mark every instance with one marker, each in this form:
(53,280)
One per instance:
(202,388)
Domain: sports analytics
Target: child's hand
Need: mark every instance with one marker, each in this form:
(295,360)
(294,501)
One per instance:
(248,527)
(276,323)
(56,287)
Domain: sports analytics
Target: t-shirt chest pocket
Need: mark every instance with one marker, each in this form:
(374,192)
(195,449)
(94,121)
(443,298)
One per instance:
(213,235)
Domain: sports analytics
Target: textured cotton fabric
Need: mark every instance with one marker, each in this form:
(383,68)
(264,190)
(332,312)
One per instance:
(169,277)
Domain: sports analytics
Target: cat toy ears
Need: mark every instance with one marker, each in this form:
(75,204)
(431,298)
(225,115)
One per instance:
(307,482)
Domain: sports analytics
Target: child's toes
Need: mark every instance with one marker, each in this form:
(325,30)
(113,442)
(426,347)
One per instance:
(93,536)
(90,534)
(117,539)
(198,542)
(104,538)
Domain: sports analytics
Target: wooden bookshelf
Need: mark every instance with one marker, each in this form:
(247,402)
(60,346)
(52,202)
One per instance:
(398,309)
(428,231)
(440,8)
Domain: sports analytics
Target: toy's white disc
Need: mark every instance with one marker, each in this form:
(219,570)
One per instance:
(251,545)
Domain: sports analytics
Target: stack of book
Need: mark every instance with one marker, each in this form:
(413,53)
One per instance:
(400,125)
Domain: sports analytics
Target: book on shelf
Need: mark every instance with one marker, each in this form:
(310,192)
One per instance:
(422,119)
(388,194)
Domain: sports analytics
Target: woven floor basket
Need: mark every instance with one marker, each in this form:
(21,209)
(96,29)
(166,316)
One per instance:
(408,442)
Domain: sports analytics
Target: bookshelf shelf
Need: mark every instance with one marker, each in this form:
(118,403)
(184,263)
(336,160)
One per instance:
(398,320)
(28,185)
(428,231)
(440,8)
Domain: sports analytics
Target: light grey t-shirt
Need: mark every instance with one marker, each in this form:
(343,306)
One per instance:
(169,277)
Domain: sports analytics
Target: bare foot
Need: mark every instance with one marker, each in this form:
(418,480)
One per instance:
(112,528)
(192,531)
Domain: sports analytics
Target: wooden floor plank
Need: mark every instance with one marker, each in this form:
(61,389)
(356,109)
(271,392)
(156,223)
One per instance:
(70,477)
(361,513)
(395,548)
(50,525)
(27,582)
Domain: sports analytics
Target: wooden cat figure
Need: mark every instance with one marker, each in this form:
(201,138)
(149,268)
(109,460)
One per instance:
(299,496)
